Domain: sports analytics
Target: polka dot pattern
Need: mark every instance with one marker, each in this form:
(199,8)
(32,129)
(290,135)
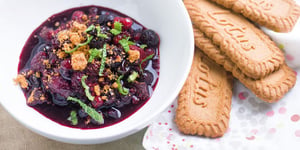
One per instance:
(253,124)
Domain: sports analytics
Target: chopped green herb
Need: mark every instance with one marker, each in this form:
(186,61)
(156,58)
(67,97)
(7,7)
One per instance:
(146,59)
(103,60)
(94,53)
(89,38)
(143,46)
(132,76)
(90,111)
(121,89)
(99,34)
(86,88)
(125,44)
(117,28)
(73,118)
(90,28)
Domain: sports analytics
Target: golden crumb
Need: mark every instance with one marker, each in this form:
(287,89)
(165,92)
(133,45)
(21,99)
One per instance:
(78,61)
(118,59)
(104,98)
(21,80)
(133,55)
(61,54)
(31,97)
(114,85)
(67,47)
(77,27)
(46,63)
(84,17)
(97,90)
(63,35)
(74,38)
(106,89)
(38,74)
(101,79)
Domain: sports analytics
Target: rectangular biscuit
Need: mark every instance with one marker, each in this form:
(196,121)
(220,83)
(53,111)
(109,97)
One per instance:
(204,103)
(246,45)
(270,88)
(278,15)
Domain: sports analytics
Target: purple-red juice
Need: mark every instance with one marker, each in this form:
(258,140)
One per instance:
(105,59)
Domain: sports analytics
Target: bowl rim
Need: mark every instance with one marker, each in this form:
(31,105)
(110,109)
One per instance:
(138,126)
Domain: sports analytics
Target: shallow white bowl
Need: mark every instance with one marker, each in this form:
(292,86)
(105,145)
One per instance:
(168,18)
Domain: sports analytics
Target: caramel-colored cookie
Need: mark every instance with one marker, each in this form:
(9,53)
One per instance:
(246,45)
(204,102)
(270,88)
(278,15)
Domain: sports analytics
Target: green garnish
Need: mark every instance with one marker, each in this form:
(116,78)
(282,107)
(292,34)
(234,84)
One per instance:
(86,88)
(132,76)
(90,111)
(146,59)
(143,46)
(94,52)
(103,60)
(121,89)
(117,28)
(89,38)
(99,34)
(90,28)
(125,44)
(73,118)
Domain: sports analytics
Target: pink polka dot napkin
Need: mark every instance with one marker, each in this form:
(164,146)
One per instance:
(254,124)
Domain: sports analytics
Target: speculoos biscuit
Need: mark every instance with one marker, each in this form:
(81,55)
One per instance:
(247,46)
(269,89)
(204,103)
(278,15)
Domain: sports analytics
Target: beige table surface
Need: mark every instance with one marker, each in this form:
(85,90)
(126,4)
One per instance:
(14,136)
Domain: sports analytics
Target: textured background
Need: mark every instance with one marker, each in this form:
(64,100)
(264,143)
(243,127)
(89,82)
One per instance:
(14,136)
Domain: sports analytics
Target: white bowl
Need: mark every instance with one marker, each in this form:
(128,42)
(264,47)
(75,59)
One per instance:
(168,18)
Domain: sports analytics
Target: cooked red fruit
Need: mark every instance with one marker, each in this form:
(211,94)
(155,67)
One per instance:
(75,61)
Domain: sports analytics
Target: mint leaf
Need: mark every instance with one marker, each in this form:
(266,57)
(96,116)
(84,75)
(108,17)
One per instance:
(145,59)
(86,88)
(89,38)
(93,54)
(99,34)
(143,46)
(117,28)
(115,32)
(125,44)
(121,89)
(90,28)
(73,118)
(103,60)
(132,76)
(90,111)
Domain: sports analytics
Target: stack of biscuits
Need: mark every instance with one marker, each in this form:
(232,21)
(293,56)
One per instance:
(229,44)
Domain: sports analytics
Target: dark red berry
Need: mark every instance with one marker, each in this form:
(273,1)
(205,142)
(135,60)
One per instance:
(97,102)
(59,86)
(127,23)
(150,38)
(135,100)
(77,15)
(119,19)
(118,38)
(37,62)
(143,92)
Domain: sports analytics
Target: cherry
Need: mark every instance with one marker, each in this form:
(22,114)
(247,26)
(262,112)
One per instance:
(127,23)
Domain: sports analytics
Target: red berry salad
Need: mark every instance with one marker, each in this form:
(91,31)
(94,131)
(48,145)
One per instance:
(89,67)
